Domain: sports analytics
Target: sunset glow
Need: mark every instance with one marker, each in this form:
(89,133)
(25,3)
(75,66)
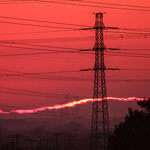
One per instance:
(71,104)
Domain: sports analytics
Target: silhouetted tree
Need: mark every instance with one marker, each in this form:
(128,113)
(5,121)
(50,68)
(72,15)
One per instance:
(134,132)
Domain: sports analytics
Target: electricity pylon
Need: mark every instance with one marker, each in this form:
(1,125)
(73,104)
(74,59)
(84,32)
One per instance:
(100,120)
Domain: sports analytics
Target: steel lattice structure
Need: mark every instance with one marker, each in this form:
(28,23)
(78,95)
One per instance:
(100,120)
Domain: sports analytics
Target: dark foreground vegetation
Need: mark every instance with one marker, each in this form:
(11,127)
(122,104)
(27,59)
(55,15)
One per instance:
(134,132)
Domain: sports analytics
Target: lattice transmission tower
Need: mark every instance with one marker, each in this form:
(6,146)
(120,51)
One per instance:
(100,119)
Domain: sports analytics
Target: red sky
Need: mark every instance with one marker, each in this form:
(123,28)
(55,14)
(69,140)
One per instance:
(71,61)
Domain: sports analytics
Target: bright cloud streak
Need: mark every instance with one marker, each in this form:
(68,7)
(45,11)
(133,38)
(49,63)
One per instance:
(70,104)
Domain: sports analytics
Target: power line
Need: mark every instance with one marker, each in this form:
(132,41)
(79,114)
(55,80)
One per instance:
(28,44)
(28,24)
(147,49)
(25,94)
(26,54)
(136,6)
(113,50)
(57,51)
(129,32)
(16,2)
(30,93)
(50,39)
(49,22)
(74,38)
(68,30)
(113,69)
(38,49)
(37,25)
(135,29)
(39,73)
(30,76)
(15,91)
(127,55)
(36,32)
(85,1)
(134,54)
(128,80)
(29,54)
(68,78)
(45,77)
(75,4)
(69,71)
(86,5)
(118,28)
(135,69)
(74,50)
